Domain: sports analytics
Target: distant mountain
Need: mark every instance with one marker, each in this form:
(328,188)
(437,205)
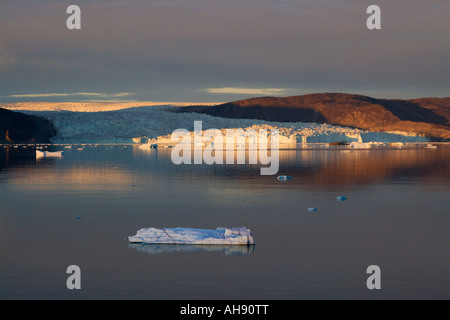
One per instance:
(16,127)
(427,116)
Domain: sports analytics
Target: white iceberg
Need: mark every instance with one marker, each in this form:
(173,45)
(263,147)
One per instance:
(48,154)
(233,236)
(361,145)
(140,140)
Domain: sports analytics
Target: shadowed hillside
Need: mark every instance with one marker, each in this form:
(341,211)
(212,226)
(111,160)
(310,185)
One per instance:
(16,127)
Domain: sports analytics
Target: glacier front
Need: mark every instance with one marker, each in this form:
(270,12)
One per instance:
(156,123)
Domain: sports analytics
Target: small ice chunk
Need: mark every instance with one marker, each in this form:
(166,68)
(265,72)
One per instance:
(284,178)
(360,145)
(312,209)
(397,144)
(48,154)
(341,198)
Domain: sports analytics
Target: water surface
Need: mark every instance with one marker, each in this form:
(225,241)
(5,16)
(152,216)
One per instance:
(80,209)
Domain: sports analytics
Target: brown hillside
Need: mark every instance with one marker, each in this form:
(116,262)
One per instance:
(427,116)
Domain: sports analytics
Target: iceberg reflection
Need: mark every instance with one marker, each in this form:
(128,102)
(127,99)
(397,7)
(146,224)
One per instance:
(171,248)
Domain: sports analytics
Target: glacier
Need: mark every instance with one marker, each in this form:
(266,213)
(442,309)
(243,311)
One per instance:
(156,123)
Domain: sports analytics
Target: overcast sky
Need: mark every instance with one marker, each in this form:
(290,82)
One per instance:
(222,50)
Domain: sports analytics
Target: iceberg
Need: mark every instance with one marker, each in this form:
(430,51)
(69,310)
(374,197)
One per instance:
(148,146)
(361,145)
(284,178)
(397,144)
(48,154)
(140,140)
(229,236)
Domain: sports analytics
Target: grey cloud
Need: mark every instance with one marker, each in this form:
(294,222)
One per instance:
(175,49)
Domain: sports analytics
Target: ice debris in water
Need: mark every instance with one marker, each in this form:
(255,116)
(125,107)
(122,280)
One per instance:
(312,209)
(235,236)
(284,178)
(48,154)
(341,198)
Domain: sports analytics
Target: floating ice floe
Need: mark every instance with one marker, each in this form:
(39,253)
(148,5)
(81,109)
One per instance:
(144,146)
(284,178)
(361,145)
(341,198)
(312,209)
(397,144)
(430,146)
(234,236)
(48,154)
(148,146)
(140,140)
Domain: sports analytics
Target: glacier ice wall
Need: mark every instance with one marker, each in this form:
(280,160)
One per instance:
(156,121)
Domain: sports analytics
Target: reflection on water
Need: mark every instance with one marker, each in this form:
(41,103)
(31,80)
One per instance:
(327,170)
(323,169)
(168,248)
(79,209)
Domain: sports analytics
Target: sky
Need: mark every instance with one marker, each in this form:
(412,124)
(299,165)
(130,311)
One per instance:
(222,50)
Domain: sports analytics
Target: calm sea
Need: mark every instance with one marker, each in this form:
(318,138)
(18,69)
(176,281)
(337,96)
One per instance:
(80,209)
